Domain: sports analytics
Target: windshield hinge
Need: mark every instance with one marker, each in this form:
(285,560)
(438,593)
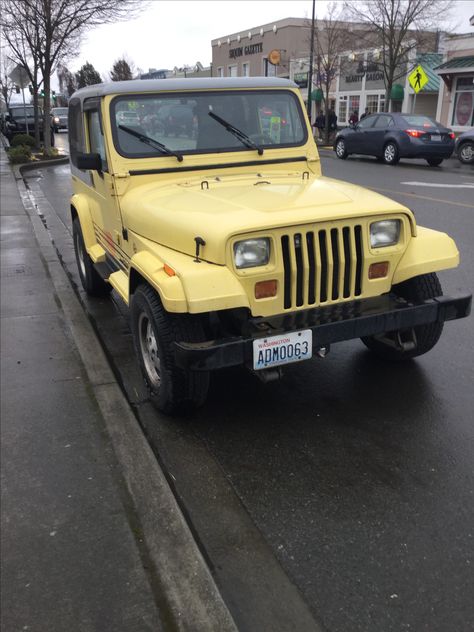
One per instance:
(120,183)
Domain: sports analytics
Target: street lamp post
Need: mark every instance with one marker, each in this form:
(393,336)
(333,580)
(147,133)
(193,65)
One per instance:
(310,73)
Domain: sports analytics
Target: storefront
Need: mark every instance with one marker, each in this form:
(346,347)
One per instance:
(458,102)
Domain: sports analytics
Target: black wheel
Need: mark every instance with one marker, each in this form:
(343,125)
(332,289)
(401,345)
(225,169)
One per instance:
(341,151)
(91,280)
(172,390)
(415,290)
(434,162)
(391,155)
(466,152)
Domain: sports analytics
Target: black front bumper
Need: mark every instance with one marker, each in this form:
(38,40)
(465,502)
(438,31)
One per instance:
(335,323)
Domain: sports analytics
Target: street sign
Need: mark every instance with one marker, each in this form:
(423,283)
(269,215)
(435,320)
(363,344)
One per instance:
(418,79)
(19,76)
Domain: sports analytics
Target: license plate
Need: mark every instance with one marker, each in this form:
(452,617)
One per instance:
(436,137)
(283,349)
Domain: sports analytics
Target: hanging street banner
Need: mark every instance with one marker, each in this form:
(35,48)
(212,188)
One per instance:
(418,79)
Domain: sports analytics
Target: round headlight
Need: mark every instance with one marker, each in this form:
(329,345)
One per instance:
(384,233)
(252,252)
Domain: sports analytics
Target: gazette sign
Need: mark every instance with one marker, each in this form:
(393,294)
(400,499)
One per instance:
(250,49)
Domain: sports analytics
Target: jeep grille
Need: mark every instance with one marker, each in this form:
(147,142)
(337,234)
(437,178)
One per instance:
(321,266)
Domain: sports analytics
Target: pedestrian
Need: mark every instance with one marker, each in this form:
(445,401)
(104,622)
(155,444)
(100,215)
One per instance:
(354,118)
(366,113)
(332,120)
(320,124)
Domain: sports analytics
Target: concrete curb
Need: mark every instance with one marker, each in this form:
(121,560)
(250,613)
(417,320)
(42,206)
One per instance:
(185,591)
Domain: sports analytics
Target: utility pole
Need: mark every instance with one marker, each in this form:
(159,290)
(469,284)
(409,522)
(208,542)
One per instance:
(310,73)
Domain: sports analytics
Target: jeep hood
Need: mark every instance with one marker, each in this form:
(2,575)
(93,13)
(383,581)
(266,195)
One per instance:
(173,215)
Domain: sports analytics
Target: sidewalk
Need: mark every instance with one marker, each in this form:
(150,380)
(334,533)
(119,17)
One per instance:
(78,550)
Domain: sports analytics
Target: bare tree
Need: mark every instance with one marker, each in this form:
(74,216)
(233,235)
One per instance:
(59,25)
(399,26)
(331,39)
(122,70)
(67,81)
(6,66)
(24,41)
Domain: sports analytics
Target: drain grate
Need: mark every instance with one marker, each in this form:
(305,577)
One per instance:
(18,270)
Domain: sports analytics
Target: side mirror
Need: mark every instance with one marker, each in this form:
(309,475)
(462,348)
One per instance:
(92,162)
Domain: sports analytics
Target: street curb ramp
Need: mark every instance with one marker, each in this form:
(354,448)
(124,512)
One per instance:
(186,594)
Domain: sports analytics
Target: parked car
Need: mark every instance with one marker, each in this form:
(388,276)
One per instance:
(464,147)
(59,118)
(20,119)
(391,136)
(231,249)
(128,118)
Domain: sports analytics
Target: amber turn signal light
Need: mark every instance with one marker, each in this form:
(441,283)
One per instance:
(378,270)
(265,289)
(169,271)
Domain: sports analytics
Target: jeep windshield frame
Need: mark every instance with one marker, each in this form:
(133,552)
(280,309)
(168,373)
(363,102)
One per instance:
(271,117)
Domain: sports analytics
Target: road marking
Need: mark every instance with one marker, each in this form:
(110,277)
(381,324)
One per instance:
(421,197)
(467,185)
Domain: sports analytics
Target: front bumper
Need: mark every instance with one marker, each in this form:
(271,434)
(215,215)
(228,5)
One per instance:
(331,324)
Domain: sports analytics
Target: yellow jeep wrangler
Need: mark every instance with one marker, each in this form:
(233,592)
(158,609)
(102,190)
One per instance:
(201,202)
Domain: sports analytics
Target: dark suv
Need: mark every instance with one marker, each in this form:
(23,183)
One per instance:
(20,119)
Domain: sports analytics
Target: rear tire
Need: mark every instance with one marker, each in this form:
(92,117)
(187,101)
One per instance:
(92,282)
(172,390)
(341,151)
(391,155)
(415,290)
(434,162)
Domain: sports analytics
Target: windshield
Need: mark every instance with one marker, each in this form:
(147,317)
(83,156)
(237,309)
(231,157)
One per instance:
(419,121)
(20,112)
(59,111)
(184,123)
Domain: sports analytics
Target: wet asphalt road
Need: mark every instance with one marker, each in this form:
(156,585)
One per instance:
(356,475)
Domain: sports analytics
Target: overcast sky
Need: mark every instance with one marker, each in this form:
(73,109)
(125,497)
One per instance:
(179,32)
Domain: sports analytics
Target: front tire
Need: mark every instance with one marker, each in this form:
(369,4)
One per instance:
(391,155)
(434,162)
(172,390)
(91,280)
(417,289)
(341,151)
(466,153)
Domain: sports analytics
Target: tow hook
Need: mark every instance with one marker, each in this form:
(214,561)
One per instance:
(322,352)
(269,375)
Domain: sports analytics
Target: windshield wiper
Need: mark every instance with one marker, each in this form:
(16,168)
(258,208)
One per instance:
(152,142)
(244,139)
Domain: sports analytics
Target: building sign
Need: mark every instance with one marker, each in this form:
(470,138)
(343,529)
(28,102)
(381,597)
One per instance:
(301,79)
(250,49)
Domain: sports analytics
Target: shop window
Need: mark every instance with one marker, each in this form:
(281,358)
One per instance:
(463,110)
(375,103)
(245,70)
(342,115)
(232,71)
(220,71)
(354,101)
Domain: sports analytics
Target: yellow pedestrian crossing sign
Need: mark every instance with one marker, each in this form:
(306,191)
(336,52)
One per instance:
(418,79)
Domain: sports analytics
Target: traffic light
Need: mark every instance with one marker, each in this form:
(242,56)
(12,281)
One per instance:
(30,88)
(42,93)
(53,94)
(17,89)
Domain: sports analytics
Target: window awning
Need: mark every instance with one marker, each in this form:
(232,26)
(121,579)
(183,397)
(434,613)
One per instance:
(453,67)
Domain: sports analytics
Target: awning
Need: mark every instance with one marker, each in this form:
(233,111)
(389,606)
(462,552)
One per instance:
(455,66)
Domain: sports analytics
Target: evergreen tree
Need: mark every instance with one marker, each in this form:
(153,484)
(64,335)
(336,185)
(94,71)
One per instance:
(87,76)
(121,71)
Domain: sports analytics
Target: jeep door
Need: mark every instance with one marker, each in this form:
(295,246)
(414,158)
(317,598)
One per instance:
(105,207)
